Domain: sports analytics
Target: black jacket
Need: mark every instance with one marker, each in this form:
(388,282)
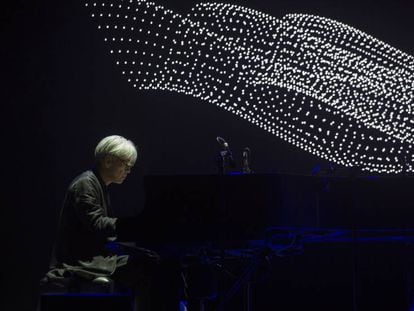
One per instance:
(85,227)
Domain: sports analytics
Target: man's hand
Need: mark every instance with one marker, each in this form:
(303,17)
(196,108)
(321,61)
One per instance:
(146,255)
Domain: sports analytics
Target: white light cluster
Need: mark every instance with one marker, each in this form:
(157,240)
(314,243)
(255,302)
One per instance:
(320,85)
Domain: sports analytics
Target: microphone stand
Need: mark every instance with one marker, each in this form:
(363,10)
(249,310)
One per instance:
(264,255)
(225,159)
(223,162)
(246,161)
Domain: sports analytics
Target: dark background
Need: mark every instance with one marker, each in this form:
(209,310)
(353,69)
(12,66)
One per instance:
(61,93)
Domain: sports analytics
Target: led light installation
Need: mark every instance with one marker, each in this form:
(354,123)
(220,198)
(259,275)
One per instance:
(320,85)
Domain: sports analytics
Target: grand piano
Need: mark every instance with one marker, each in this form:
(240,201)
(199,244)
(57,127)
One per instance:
(351,220)
(240,206)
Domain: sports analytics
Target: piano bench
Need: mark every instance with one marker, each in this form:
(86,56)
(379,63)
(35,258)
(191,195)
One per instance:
(86,301)
(100,294)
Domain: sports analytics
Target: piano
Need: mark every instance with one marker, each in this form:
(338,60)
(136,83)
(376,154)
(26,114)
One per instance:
(243,206)
(338,236)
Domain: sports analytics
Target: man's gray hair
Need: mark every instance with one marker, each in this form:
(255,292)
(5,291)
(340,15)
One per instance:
(117,146)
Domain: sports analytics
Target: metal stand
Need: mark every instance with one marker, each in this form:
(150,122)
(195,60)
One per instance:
(246,279)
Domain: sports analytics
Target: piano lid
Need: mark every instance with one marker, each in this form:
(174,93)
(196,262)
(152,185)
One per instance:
(220,207)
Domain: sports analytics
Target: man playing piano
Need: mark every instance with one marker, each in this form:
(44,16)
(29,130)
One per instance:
(85,248)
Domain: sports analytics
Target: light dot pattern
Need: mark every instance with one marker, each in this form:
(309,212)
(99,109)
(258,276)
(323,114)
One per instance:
(316,83)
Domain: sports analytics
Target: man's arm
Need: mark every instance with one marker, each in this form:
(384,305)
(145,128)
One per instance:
(91,212)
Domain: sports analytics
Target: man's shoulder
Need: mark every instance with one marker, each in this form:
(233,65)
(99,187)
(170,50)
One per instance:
(85,179)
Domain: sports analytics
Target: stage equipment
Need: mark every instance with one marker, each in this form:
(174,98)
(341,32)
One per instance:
(225,160)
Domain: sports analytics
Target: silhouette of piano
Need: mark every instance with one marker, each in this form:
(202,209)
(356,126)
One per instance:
(252,220)
(199,208)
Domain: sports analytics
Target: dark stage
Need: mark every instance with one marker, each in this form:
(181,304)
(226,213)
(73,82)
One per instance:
(321,93)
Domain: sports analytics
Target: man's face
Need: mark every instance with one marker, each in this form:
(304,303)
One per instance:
(117,169)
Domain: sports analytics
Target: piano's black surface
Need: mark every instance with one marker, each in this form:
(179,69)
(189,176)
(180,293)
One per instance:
(354,237)
(228,207)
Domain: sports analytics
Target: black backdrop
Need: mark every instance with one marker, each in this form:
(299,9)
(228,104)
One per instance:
(61,93)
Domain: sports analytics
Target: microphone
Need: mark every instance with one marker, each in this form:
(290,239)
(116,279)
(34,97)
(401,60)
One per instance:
(246,160)
(223,143)
(225,160)
(246,153)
